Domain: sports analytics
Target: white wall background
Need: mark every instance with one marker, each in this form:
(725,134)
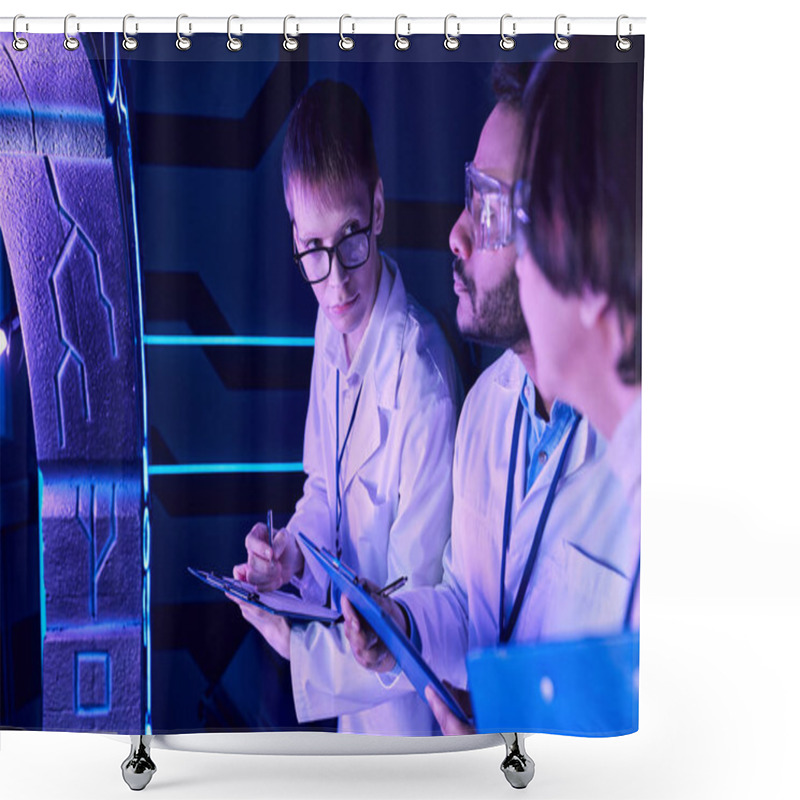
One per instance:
(720,597)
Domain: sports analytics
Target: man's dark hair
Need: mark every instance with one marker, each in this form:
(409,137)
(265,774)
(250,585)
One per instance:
(580,156)
(329,139)
(509,79)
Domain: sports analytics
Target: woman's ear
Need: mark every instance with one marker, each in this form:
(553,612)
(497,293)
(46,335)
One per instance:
(380,208)
(591,308)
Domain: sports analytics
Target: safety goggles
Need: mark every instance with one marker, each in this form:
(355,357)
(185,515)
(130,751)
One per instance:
(488,202)
(522,225)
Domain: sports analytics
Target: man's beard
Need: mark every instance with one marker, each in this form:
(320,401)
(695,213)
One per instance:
(497,320)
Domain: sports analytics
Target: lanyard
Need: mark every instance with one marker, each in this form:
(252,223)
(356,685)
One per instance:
(339,454)
(507,626)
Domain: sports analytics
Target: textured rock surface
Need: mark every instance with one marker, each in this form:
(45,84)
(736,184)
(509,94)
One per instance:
(61,219)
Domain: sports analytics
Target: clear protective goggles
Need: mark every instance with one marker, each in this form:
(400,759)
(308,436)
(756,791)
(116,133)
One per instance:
(488,202)
(522,226)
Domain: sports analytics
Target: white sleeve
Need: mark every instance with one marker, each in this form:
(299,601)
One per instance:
(441,613)
(441,617)
(326,680)
(421,527)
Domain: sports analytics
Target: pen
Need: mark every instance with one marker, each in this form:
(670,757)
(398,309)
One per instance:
(269,526)
(393,587)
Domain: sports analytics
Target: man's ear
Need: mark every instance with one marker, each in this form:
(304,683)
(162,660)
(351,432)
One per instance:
(591,308)
(380,208)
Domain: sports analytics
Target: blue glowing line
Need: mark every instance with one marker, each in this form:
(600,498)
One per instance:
(42,593)
(113,96)
(90,539)
(148,722)
(58,116)
(230,341)
(119,100)
(112,537)
(211,469)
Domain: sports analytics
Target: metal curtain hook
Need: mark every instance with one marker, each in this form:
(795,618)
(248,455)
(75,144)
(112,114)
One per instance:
(401,42)
(623,44)
(561,43)
(507,42)
(451,42)
(289,43)
(70,42)
(234,44)
(19,43)
(345,42)
(128,42)
(182,43)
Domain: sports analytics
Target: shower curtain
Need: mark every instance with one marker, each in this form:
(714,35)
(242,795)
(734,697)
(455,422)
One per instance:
(264,282)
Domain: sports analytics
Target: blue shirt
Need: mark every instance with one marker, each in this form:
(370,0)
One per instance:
(543,437)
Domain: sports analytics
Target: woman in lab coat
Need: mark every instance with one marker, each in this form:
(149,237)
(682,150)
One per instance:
(380,426)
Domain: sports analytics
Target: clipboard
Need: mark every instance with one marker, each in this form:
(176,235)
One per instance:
(280,603)
(577,687)
(408,656)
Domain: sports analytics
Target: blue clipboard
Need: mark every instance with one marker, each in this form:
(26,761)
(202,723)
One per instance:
(407,655)
(580,687)
(279,603)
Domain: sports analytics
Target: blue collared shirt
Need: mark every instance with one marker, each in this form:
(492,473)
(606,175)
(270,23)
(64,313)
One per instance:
(543,437)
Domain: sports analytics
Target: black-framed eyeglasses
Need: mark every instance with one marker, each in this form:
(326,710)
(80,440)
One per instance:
(352,251)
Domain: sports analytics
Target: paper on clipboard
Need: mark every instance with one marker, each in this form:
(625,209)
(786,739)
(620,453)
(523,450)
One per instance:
(281,603)
(408,656)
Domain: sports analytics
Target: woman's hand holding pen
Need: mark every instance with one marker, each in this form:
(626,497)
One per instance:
(368,649)
(270,566)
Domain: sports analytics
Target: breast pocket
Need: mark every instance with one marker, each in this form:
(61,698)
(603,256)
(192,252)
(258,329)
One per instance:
(592,598)
(369,518)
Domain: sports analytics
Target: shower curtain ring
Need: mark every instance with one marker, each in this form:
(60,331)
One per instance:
(623,44)
(561,43)
(182,42)
(289,43)
(70,42)
(401,42)
(233,44)
(19,43)
(451,42)
(345,42)
(128,42)
(507,42)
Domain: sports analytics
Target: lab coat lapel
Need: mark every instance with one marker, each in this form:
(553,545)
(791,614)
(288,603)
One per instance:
(367,434)
(379,387)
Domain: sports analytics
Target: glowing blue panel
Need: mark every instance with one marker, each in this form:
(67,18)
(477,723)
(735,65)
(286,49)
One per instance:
(230,341)
(209,469)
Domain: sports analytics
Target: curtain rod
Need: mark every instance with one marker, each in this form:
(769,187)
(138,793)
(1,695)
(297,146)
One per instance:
(460,26)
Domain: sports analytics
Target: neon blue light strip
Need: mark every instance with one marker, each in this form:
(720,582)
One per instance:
(230,341)
(211,469)
(118,99)
(42,593)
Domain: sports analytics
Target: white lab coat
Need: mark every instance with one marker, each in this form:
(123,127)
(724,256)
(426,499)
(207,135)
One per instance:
(397,494)
(582,579)
(624,459)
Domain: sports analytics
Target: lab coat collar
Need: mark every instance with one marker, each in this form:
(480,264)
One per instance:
(510,376)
